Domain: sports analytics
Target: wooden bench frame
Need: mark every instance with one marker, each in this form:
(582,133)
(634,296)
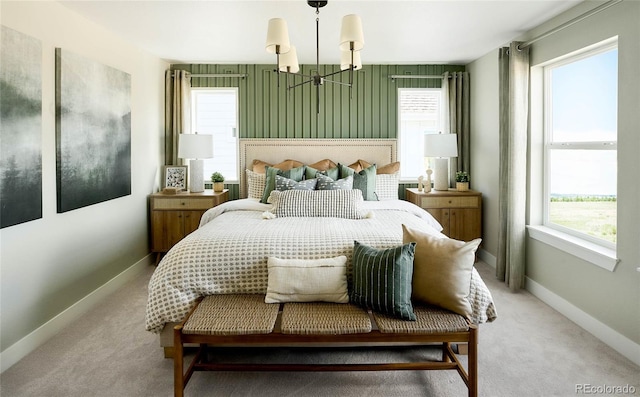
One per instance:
(449,360)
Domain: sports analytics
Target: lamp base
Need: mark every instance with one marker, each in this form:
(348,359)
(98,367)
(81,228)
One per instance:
(441,168)
(196,175)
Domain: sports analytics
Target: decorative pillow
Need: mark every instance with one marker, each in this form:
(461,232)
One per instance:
(288,165)
(442,270)
(382,279)
(323,165)
(259,166)
(364,180)
(387,186)
(318,203)
(360,165)
(326,183)
(283,183)
(311,172)
(256,183)
(390,168)
(297,174)
(307,280)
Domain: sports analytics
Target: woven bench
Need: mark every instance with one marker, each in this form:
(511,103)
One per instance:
(245,320)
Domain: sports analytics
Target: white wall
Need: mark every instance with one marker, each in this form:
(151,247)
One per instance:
(610,300)
(50,264)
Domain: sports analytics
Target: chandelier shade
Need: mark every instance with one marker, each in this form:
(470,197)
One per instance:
(289,61)
(351,35)
(278,37)
(346,62)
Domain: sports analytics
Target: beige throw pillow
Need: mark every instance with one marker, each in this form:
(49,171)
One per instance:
(307,280)
(442,270)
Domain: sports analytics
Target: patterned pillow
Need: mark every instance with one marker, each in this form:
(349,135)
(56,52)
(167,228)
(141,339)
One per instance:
(307,280)
(256,183)
(318,203)
(283,183)
(387,186)
(382,279)
(364,180)
(297,174)
(326,183)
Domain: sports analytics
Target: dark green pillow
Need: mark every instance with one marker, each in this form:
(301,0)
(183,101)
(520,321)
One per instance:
(297,174)
(364,180)
(382,279)
(332,173)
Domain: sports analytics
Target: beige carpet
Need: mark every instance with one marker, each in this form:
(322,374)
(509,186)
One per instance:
(531,350)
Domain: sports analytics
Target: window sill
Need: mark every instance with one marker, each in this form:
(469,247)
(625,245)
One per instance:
(590,252)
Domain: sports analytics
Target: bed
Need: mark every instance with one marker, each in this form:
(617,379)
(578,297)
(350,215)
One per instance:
(228,253)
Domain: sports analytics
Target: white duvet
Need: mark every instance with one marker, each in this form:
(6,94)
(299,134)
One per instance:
(228,253)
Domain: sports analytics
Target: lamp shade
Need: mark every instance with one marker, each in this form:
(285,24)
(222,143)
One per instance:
(440,145)
(289,61)
(345,60)
(277,35)
(195,146)
(351,32)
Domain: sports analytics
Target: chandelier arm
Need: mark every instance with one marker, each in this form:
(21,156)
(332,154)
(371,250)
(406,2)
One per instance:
(310,76)
(337,82)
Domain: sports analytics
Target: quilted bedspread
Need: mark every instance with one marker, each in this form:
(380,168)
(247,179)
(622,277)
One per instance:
(228,253)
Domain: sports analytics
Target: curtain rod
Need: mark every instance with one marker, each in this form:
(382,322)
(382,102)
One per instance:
(577,19)
(238,75)
(416,76)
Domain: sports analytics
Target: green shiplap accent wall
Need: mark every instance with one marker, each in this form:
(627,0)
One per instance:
(269,111)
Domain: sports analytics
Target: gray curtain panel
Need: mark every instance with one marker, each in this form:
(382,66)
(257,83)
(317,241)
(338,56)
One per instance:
(514,114)
(455,89)
(177,112)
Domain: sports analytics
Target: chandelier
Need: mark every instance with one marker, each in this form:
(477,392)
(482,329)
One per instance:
(351,42)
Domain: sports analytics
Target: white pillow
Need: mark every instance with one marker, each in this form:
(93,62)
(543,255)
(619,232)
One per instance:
(318,203)
(256,183)
(387,186)
(307,280)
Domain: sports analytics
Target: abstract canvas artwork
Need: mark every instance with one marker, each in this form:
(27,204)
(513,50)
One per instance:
(93,131)
(20,128)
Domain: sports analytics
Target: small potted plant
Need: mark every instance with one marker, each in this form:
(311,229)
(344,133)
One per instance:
(462,181)
(218,181)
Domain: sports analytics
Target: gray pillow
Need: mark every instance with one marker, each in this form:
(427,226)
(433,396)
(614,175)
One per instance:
(326,183)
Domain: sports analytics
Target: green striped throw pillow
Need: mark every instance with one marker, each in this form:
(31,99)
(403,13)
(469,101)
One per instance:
(382,279)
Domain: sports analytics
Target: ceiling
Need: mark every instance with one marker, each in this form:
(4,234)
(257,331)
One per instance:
(396,32)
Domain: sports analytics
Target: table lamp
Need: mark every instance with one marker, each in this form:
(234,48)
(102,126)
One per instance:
(442,147)
(195,147)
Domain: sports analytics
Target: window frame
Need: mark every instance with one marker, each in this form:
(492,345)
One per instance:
(194,92)
(400,138)
(589,248)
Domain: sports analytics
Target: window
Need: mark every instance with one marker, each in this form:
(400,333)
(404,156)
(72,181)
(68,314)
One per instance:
(580,145)
(419,113)
(215,111)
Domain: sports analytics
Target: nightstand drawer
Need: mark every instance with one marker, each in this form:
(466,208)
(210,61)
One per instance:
(183,204)
(449,202)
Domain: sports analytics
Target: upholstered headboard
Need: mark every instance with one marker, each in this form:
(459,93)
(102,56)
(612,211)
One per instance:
(309,151)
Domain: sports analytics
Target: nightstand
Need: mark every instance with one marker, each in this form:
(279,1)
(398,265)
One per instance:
(459,213)
(173,216)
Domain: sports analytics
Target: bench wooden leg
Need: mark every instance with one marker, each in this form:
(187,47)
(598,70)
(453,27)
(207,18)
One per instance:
(473,361)
(178,362)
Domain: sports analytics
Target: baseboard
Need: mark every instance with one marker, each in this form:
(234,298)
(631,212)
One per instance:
(29,343)
(487,258)
(606,334)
